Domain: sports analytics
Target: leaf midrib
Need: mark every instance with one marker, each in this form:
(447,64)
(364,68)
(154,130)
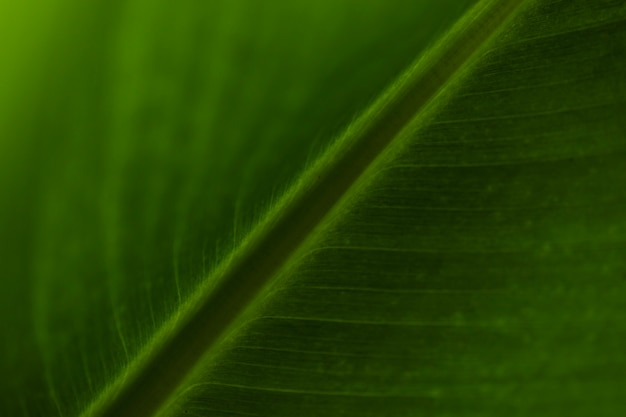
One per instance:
(287,225)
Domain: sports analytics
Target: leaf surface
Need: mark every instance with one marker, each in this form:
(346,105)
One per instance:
(476,268)
(139,140)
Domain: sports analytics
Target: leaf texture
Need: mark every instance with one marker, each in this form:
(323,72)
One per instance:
(477,268)
(139,140)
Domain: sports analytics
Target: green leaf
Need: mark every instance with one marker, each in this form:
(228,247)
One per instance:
(139,141)
(475,267)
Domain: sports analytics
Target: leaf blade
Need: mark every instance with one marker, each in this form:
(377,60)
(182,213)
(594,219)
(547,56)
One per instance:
(481,272)
(304,207)
(119,184)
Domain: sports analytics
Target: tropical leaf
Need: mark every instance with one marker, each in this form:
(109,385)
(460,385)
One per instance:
(459,250)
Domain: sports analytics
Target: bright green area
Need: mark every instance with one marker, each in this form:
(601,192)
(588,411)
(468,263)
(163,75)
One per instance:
(138,142)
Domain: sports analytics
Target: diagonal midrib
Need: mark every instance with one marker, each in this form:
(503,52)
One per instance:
(273,242)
